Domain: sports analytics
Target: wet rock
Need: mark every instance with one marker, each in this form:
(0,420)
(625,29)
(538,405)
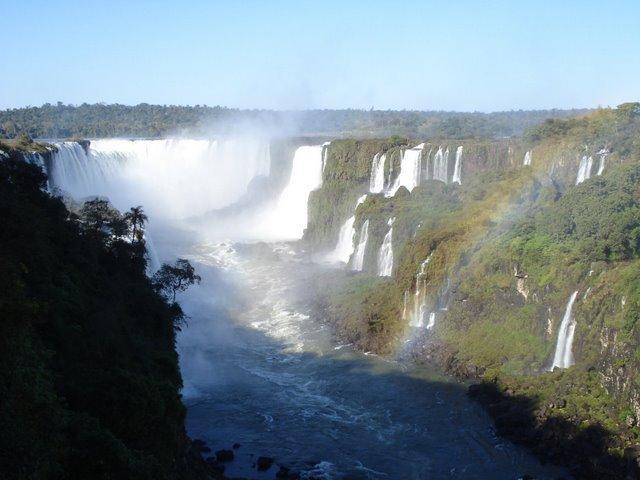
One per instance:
(200,446)
(264,463)
(630,421)
(224,455)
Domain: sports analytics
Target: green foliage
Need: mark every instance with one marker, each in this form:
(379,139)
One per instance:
(89,378)
(144,120)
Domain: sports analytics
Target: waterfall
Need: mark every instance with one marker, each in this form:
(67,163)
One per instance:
(344,247)
(289,218)
(376,183)
(385,255)
(419,309)
(441,165)
(584,170)
(527,158)
(603,157)
(410,169)
(457,170)
(358,257)
(563,357)
(325,154)
(172,178)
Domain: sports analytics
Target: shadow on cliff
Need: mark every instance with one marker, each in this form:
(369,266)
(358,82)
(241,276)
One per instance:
(582,449)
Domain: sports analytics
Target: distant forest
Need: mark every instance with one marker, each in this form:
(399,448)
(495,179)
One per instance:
(151,121)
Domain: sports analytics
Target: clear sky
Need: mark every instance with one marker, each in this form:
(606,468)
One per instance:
(423,55)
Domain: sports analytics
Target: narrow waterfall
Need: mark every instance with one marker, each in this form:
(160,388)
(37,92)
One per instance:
(344,248)
(385,255)
(563,357)
(410,169)
(527,158)
(584,170)
(603,157)
(457,170)
(419,309)
(376,183)
(172,178)
(358,257)
(325,153)
(441,165)
(289,218)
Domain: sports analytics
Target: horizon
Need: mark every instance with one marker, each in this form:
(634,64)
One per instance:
(418,56)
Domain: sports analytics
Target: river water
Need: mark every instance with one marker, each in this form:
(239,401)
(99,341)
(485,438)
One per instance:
(261,371)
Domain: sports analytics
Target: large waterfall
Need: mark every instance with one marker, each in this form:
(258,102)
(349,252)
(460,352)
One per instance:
(385,255)
(172,178)
(441,165)
(563,357)
(457,169)
(358,258)
(410,169)
(376,183)
(344,247)
(584,170)
(289,218)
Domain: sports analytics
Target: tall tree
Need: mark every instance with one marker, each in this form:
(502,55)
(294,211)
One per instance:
(171,279)
(136,218)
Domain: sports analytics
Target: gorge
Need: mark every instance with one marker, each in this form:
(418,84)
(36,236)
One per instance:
(342,278)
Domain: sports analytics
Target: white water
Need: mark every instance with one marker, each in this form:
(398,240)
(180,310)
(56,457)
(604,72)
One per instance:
(603,157)
(527,158)
(410,169)
(457,169)
(289,218)
(419,308)
(584,170)
(325,154)
(165,176)
(385,255)
(441,165)
(344,247)
(358,258)
(376,183)
(563,357)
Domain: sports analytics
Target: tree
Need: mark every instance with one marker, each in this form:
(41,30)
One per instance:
(171,279)
(136,218)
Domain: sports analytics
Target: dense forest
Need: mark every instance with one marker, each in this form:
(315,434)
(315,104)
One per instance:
(151,121)
(89,378)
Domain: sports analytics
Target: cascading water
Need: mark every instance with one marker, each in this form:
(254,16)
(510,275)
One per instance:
(325,154)
(358,257)
(527,158)
(344,247)
(410,169)
(385,255)
(441,165)
(173,178)
(419,310)
(603,157)
(584,170)
(457,169)
(289,218)
(376,183)
(563,357)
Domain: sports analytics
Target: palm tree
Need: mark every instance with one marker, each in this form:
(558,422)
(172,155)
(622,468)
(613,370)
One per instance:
(136,217)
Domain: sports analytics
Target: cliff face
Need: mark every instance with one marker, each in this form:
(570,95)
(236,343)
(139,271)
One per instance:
(89,378)
(484,271)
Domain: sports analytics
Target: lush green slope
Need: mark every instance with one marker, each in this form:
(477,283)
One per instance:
(89,379)
(508,247)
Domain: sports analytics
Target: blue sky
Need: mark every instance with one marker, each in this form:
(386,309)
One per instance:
(450,55)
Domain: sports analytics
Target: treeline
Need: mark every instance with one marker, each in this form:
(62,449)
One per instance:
(89,377)
(151,121)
